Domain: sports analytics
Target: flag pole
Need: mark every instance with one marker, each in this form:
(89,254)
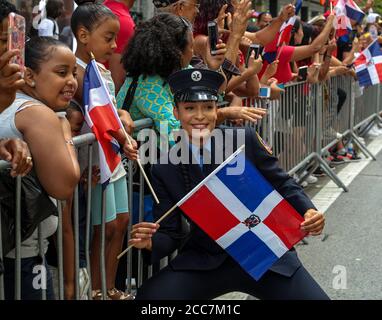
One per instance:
(141,168)
(158,221)
(279,53)
(331,6)
(179,203)
(138,161)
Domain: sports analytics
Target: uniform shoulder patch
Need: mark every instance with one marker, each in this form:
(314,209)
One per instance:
(264,144)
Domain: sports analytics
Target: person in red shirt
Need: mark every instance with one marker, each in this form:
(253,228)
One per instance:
(286,53)
(121,8)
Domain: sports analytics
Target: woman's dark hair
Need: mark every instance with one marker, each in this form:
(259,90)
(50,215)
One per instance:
(156,47)
(5,9)
(54,8)
(89,15)
(73,107)
(297,25)
(209,11)
(308,33)
(263,14)
(39,50)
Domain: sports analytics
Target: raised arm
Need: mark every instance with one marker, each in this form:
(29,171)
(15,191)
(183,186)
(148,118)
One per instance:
(239,25)
(303,52)
(267,34)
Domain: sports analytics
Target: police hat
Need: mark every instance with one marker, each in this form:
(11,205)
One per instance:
(163,3)
(192,85)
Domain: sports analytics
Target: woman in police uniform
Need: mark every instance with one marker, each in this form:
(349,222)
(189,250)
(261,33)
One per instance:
(202,270)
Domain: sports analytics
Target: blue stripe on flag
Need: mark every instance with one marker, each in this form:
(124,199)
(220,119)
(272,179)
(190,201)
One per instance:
(364,78)
(91,81)
(250,187)
(252,254)
(298,6)
(115,145)
(375,49)
(354,14)
(270,56)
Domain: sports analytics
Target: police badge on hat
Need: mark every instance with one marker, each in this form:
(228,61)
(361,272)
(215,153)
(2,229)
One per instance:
(193,85)
(196,76)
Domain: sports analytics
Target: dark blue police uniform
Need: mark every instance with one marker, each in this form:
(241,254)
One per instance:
(202,269)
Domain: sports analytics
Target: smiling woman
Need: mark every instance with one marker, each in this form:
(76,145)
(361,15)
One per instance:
(57,67)
(50,83)
(201,262)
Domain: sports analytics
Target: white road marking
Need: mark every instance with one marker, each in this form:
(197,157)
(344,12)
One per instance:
(330,192)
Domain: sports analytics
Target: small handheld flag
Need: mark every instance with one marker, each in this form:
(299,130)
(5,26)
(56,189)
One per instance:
(102,118)
(368,65)
(245,215)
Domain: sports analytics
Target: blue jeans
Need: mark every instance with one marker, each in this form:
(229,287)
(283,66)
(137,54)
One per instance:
(30,282)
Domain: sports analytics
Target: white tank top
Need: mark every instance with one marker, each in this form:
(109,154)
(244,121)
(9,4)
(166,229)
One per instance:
(8,129)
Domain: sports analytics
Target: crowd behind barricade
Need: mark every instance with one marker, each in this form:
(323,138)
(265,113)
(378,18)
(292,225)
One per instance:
(42,110)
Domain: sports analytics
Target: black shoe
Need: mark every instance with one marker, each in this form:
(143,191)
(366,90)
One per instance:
(319,172)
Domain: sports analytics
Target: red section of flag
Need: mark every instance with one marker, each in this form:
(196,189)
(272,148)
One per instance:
(378,67)
(285,35)
(285,222)
(360,60)
(103,117)
(209,213)
(272,46)
(105,122)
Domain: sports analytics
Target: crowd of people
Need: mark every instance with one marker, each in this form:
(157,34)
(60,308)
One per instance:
(41,110)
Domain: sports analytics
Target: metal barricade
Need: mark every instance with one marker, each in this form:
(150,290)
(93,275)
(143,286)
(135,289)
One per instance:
(304,123)
(84,141)
(301,127)
(336,110)
(292,125)
(366,105)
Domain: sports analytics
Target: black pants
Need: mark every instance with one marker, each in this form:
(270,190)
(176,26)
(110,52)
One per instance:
(204,285)
(341,99)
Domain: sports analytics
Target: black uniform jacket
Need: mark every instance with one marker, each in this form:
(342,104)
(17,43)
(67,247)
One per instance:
(196,250)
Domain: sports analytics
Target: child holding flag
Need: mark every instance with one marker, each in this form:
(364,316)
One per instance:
(202,269)
(96,28)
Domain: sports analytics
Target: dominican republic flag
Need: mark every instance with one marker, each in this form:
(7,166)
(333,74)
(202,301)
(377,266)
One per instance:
(102,117)
(270,50)
(342,22)
(286,32)
(282,38)
(346,10)
(353,11)
(244,215)
(368,65)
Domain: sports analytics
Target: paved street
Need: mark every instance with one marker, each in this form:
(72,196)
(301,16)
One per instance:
(354,239)
(350,257)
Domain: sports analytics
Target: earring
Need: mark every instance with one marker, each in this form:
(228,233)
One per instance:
(33,84)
